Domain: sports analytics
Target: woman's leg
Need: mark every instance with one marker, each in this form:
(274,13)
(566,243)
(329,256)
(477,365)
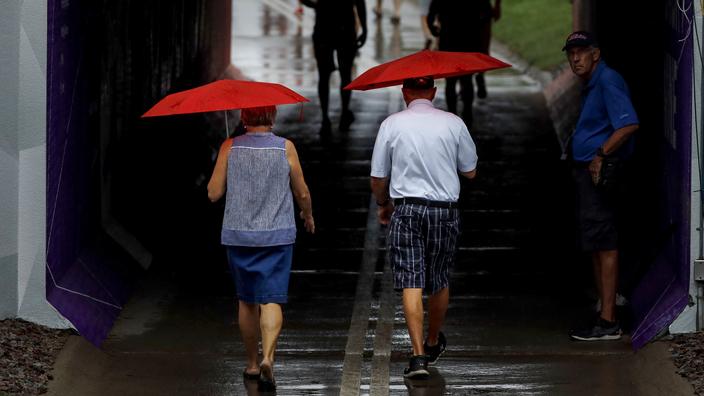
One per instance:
(270,324)
(248,317)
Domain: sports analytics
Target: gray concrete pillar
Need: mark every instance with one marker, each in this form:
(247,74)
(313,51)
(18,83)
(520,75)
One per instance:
(23,49)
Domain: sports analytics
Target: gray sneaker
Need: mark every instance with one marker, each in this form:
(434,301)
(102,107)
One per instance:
(601,330)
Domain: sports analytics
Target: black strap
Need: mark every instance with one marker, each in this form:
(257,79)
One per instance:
(426,202)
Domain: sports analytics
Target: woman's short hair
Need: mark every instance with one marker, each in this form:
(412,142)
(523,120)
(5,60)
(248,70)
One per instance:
(255,116)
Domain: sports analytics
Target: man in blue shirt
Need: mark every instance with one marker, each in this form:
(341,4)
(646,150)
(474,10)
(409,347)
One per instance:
(601,139)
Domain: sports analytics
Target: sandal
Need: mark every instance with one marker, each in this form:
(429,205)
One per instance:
(266,382)
(250,377)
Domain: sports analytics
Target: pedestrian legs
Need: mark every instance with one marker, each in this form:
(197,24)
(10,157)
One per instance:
(270,325)
(467,94)
(413,310)
(606,274)
(248,318)
(437,308)
(451,94)
(324,95)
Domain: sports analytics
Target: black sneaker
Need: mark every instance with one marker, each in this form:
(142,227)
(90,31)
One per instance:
(436,350)
(417,368)
(601,330)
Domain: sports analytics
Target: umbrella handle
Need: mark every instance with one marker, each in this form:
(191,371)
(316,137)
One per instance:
(227,126)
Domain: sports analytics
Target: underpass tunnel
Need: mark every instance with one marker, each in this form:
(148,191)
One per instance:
(127,196)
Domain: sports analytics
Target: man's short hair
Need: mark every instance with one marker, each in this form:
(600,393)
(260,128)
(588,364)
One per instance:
(419,83)
(580,38)
(255,116)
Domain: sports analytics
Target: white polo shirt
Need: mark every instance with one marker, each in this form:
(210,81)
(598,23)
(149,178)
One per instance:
(421,149)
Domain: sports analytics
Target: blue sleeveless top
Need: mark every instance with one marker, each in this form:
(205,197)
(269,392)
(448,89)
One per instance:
(259,204)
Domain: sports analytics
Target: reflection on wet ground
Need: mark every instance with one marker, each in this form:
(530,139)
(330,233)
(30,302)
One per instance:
(514,292)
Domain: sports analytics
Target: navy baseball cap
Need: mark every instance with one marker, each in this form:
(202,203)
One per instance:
(419,83)
(579,38)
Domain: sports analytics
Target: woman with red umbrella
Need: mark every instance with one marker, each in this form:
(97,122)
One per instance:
(258,172)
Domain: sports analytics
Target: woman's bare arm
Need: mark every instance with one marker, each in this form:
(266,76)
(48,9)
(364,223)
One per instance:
(299,187)
(218,181)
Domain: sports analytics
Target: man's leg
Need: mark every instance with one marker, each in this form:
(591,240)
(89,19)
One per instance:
(326,65)
(467,92)
(608,260)
(437,308)
(345,61)
(413,310)
(248,318)
(451,94)
(270,324)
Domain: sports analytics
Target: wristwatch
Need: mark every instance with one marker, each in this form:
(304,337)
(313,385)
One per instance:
(600,152)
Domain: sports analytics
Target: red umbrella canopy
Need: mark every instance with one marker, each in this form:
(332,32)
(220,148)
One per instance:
(224,95)
(436,64)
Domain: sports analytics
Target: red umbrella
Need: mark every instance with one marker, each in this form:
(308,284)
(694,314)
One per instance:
(426,63)
(225,95)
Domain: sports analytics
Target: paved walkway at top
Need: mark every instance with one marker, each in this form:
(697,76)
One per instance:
(513,294)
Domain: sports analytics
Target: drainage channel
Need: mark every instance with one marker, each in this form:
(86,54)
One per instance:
(358,335)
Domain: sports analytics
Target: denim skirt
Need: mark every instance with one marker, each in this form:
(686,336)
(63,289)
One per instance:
(261,273)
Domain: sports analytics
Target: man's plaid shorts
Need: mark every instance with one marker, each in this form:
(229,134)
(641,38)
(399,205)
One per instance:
(422,244)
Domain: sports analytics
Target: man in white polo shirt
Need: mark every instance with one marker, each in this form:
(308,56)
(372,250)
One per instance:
(417,157)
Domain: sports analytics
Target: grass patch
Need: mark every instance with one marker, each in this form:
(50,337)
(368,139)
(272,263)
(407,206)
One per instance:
(535,29)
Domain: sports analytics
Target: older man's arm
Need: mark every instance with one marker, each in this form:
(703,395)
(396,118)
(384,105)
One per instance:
(380,189)
(469,175)
(616,140)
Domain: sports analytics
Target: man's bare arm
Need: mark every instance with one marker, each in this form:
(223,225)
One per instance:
(380,189)
(469,175)
(618,138)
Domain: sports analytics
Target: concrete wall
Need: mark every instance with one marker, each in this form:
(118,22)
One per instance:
(9,156)
(23,49)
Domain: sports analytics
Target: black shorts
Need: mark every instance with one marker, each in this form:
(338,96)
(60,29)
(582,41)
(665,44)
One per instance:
(596,214)
(327,47)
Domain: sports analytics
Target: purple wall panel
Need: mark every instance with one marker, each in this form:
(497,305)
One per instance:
(87,296)
(664,291)
(109,61)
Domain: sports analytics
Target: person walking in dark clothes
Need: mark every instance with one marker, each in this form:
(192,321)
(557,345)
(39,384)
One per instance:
(602,139)
(335,33)
(464,27)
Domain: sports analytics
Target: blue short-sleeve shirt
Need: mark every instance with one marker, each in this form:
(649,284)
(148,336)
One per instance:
(606,107)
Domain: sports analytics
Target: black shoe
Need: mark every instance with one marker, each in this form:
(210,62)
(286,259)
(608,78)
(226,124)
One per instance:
(600,330)
(325,127)
(434,352)
(417,368)
(346,119)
